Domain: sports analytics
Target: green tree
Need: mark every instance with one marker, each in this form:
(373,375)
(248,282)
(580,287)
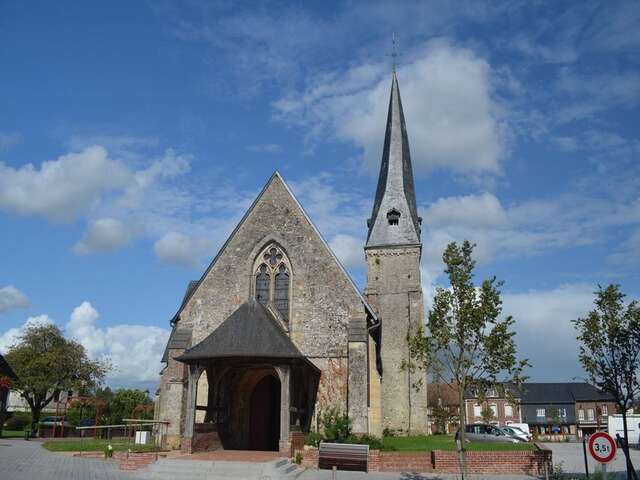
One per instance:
(610,350)
(487,414)
(47,363)
(554,416)
(469,345)
(442,416)
(121,405)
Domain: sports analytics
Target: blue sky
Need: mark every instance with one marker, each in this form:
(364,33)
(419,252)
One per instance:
(134,135)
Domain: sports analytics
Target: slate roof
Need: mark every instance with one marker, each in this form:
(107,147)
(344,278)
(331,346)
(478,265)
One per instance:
(6,370)
(179,342)
(250,331)
(395,189)
(563,392)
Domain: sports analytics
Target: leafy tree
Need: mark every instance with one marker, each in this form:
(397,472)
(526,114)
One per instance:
(554,416)
(487,414)
(442,416)
(122,403)
(610,350)
(47,363)
(468,346)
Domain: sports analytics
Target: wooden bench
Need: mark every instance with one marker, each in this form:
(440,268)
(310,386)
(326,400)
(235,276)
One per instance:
(343,456)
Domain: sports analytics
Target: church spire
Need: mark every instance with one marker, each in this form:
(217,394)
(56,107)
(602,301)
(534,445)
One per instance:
(394,220)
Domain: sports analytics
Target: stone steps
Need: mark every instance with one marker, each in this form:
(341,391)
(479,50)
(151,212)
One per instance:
(171,469)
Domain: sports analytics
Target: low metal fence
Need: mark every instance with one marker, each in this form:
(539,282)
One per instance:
(133,435)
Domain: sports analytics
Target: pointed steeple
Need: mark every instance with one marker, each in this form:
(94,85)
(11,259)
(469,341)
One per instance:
(394,220)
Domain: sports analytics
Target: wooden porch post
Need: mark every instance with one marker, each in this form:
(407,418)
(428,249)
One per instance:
(284,372)
(190,415)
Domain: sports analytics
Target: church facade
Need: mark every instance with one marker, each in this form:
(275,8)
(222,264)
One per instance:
(276,332)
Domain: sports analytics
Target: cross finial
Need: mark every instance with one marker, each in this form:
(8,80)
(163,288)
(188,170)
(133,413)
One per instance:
(394,52)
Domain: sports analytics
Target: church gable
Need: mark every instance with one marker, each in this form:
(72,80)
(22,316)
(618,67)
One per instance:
(276,255)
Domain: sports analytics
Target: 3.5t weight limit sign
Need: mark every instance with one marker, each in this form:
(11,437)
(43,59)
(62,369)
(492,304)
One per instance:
(602,447)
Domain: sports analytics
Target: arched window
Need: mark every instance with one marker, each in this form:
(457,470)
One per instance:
(263,285)
(393,216)
(281,297)
(272,272)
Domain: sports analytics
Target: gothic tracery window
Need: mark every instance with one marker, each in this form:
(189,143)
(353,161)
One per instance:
(281,296)
(263,285)
(272,275)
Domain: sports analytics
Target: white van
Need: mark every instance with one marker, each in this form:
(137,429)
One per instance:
(633,427)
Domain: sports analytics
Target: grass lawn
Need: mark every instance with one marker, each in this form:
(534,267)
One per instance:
(91,445)
(446,442)
(12,434)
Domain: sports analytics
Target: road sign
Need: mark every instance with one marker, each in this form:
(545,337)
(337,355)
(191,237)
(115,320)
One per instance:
(602,447)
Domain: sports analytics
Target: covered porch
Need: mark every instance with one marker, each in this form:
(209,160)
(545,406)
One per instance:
(260,386)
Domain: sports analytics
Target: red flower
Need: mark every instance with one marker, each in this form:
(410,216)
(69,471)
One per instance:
(5,383)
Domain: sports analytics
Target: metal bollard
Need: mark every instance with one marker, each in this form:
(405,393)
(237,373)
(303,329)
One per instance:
(334,473)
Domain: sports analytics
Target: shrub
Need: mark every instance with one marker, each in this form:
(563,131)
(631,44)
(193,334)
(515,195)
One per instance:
(387,433)
(298,458)
(336,426)
(18,421)
(374,442)
(313,439)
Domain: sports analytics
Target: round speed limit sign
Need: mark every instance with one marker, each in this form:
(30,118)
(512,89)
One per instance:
(602,447)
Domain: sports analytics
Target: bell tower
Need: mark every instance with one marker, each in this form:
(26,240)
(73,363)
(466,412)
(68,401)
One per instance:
(393,251)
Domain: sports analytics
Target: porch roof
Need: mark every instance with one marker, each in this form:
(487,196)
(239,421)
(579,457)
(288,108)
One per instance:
(251,331)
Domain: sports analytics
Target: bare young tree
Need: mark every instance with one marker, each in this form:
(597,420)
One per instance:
(610,351)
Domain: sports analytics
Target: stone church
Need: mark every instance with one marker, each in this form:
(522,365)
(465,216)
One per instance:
(276,332)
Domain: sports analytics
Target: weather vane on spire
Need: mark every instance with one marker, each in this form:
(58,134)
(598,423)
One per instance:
(394,52)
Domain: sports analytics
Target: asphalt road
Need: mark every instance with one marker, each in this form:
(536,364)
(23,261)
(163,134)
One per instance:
(571,458)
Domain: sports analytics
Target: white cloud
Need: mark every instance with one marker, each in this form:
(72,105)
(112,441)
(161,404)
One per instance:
(11,336)
(349,250)
(547,314)
(452,119)
(103,235)
(11,297)
(61,189)
(180,249)
(134,350)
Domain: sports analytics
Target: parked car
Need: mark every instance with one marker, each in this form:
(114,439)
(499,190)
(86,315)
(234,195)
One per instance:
(521,426)
(517,433)
(50,422)
(480,432)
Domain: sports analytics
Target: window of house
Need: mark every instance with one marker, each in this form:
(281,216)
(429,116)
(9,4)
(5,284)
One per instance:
(590,414)
(508,411)
(494,410)
(272,284)
(477,410)
(605,410)
(581,415)
(540,412)
(562,412)
(393,216)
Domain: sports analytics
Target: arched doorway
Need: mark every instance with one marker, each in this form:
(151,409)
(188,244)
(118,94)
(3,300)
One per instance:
(264,415)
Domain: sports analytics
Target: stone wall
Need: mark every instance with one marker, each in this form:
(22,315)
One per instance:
(172,398)
(323,300)
(393,287)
